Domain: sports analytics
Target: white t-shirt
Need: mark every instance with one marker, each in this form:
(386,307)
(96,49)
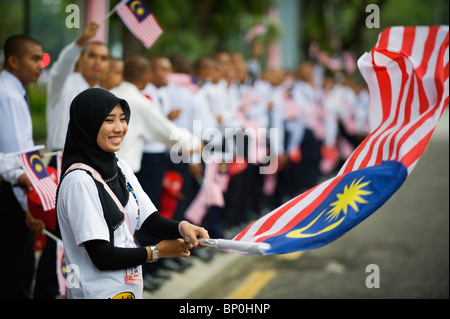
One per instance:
(80,217)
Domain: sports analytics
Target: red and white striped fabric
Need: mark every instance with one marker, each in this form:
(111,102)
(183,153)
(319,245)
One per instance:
(59,156)
(61,273)
(44,185)
(407,76)
(407,73)
(255,31)
(184,80)
(214,184)
(140,21)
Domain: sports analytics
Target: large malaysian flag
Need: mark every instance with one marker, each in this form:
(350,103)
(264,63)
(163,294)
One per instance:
(407,73)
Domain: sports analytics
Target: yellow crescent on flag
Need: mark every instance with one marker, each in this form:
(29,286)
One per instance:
(38,167)
(140,10)
(351,195)
(298,233)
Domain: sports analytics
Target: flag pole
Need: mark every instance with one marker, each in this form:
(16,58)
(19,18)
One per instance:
(110,13)
(49,234)
(31,149)
(48,154)
(235,246)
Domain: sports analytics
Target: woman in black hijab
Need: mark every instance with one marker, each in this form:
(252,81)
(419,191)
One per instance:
(100,204)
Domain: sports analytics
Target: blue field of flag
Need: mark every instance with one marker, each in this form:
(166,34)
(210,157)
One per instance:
(355,197)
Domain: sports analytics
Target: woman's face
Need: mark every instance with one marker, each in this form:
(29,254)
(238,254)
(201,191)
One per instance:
(113,130)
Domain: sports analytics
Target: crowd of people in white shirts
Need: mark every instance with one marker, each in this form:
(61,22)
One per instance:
(274,134)
(317,118)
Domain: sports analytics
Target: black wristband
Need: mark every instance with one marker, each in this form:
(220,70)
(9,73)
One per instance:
(161,227)
(107,257)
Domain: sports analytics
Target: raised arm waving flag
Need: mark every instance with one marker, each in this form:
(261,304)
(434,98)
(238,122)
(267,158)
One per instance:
(407,75)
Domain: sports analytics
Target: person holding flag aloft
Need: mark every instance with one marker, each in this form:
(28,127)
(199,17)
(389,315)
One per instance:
(80,65)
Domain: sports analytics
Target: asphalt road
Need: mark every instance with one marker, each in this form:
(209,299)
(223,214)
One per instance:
(401,251)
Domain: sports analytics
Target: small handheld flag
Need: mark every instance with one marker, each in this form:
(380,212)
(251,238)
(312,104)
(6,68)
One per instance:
(183,80)
(255,31)
(211,192)
(44,185)
(407,73)
(61,271)
(140,21)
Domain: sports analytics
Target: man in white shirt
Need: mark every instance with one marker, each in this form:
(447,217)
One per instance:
(306,94)
(155,157)
(182,109)
(146,123)
(12,173)
(23,57)
(91,61)
(114,76)
(210,101)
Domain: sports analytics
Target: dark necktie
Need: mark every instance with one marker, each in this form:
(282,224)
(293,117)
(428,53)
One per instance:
(27,100)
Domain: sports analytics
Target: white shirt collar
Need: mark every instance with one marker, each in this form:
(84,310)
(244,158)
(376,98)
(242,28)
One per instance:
(129,85)
(13,80)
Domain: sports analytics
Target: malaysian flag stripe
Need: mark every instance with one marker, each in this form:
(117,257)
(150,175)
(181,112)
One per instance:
(427,123)
(407,76)
(411,103)
(43,184)
(152,32)
(146,30)
(46,191)
(132,23)
(211,191)
(196,210)
(267,221)
(286,217)
(391,131)
(140,21)
(389,119)
(183,80)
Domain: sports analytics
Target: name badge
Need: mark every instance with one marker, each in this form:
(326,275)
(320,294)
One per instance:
(133,275)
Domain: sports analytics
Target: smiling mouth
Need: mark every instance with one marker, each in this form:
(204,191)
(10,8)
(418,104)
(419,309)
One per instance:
(116,139)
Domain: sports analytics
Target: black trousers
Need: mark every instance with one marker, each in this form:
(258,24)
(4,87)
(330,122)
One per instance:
(150,176)
(307,171)
(17,265)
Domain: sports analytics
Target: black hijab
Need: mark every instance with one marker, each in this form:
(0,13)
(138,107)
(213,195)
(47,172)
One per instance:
(88,111)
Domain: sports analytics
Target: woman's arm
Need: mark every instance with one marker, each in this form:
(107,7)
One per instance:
(162,227)
(107,257)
